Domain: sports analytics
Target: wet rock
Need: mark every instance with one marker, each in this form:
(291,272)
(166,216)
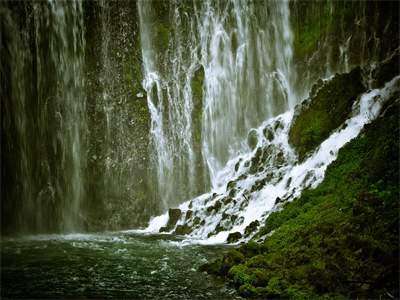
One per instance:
(232,193)
(227,201)
(288,182)
(217,206)
(251,227)
(269,135)
(174,215)
(242,177)
(203,222)
(278,200)
(225,216)
(258,185)
(386,71)
(182,229)
(234,237)
(238,165)
(196,220)
(189,214)
(278,125)
(240,220)
(325,111)
(163,229)
(231,185)
(252,139)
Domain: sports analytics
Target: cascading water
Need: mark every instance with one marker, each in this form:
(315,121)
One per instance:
(43,116)
(171,62)
(236,57)
(253,185)
(246,53)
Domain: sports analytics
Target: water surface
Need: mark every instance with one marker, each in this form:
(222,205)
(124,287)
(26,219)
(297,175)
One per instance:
(109,265)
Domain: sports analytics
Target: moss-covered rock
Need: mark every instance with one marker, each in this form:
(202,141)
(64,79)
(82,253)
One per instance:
(319,115)
(339,240)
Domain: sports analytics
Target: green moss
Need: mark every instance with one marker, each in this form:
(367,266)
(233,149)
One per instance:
(339,240)
(325,111)
(162,37)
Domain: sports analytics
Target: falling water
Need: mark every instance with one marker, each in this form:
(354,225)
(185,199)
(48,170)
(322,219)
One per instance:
(43,116)
(171,62)
(246,53)
(240,56)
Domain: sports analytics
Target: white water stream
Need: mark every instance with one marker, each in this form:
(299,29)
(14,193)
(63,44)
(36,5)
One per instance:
(243,195)
(244,51)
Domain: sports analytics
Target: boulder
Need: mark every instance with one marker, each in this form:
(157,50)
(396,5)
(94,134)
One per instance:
(174,215)
(182,229)
(325,111)
(252,139)
(234,237)
(251,228)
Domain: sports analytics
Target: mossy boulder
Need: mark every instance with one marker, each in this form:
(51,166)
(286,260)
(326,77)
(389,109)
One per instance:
(321,114)
(339,240)
(222,265)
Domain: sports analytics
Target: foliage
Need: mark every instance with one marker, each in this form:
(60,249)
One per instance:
(339,240)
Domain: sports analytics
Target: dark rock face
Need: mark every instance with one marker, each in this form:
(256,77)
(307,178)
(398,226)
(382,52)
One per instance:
(182,229)
(326,111)
(234,237)
(386,70)
(118,118)
(174,215)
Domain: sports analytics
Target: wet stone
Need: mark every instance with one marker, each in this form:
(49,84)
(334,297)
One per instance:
(234,237)
(232,193)
(182,229)
(196,220)
(227,201)
(225,216)
(251,227)
(231,185)
(189,214)
(252,139)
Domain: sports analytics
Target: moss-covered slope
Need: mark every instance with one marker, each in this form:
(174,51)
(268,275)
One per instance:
(324,111)
(339,240)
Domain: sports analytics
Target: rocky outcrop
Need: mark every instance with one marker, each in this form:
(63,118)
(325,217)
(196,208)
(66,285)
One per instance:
(118,185)
(174,215)
(319,115)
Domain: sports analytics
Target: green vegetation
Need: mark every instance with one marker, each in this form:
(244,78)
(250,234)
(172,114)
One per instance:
(325,111)
(339,240)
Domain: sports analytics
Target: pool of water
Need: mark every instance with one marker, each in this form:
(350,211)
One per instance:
(109,265)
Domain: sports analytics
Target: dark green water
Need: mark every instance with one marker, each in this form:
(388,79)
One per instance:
(109,265)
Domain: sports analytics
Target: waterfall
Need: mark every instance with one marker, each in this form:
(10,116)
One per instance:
(231,61)
(247,55)
(43,116)
(171,61)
